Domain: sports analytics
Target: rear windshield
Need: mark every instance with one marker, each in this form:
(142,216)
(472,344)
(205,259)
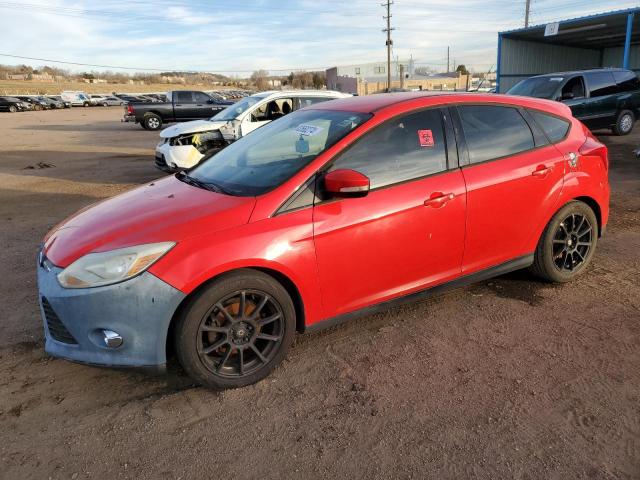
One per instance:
(538,87)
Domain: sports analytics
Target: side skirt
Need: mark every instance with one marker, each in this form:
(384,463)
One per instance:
(510,266)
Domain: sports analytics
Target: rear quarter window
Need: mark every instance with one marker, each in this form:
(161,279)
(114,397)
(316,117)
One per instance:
(627,81)
(555,128)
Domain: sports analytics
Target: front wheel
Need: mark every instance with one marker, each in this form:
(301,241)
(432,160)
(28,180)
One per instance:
(568,243)
(624,123)
(13,109)
(236,330)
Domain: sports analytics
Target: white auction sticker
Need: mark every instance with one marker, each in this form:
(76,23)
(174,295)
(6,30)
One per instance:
(307,130)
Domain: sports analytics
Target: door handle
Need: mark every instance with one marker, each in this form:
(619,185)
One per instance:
(541,171)
(438,199)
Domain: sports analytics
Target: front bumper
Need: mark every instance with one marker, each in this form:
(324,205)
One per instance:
(140,310)
(177,157)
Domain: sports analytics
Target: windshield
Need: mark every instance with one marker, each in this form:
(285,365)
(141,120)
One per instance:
(539,87)
(232,111)
(274,153)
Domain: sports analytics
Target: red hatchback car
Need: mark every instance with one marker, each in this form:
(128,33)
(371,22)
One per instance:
(330,212)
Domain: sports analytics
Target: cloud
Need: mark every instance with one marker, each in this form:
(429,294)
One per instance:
(227,36)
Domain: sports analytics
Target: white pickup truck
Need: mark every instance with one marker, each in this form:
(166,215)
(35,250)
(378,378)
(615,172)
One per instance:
(184,145)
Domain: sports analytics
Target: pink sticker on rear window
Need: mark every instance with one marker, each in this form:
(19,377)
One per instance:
(426,138)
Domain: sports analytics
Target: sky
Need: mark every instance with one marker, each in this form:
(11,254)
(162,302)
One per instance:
(236,37)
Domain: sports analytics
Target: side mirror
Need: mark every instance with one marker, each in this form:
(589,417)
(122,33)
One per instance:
(346,183)
(568,96)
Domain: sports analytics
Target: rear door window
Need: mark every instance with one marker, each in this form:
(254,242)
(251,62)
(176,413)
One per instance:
(494,132)
(601,83)
(184,97)
(555,128)
(404,148)
(627,81)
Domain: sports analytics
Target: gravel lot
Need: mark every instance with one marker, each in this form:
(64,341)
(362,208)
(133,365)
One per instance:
(510,378)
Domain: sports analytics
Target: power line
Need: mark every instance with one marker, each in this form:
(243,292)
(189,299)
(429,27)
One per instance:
(141,69)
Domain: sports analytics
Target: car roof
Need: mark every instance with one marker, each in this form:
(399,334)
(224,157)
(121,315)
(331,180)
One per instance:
(410,100)
(308,93)
(580,72)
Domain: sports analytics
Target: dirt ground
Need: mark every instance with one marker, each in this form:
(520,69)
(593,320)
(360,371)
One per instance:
(507,379)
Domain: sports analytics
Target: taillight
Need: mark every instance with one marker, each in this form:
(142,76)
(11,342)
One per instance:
(593,148)
(130,109)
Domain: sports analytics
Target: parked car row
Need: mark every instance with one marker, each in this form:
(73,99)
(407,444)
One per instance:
(23,103)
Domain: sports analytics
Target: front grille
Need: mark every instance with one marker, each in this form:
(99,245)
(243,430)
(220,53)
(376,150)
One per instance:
(56,328)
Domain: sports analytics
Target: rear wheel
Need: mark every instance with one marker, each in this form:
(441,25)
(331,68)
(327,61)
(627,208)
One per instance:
(151,121)
(567,244)
(624,123)
(236,330)
(105,104)
(13,109)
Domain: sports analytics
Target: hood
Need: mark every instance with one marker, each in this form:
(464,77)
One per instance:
(190,127)
(164,210)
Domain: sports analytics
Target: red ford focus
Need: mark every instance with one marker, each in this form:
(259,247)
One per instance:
(330,212)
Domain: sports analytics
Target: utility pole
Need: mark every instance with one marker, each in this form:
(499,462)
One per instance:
(448,60)
(389,41)
(527,9)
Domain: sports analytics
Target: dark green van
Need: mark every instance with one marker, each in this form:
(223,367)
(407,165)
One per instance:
(603,98)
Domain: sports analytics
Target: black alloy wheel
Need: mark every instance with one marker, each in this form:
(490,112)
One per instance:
(235,330)
(567,244)
(241,333)
(572,242)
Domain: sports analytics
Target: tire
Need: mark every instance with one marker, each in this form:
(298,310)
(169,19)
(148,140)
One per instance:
(562,252)
(624,123)
(105,104)
(37,107)
(13,109)
(85,104)
(152,121)
(258,342)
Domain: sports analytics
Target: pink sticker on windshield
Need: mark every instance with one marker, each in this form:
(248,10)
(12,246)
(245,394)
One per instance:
(426,138)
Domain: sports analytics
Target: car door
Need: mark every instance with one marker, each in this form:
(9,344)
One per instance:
(205,105)
(183,105)
(513,178)
(600,108)
(408,233)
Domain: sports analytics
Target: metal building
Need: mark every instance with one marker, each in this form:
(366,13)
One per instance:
(609,39)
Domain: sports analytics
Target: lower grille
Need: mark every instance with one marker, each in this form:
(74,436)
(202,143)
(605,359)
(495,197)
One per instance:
(161,162)
(56,328)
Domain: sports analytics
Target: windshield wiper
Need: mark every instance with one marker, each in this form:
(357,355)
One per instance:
(212,187)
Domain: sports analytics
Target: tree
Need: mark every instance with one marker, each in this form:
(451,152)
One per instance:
(259,79)
(462,69)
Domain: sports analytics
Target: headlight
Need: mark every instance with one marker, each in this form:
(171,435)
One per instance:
(105,268)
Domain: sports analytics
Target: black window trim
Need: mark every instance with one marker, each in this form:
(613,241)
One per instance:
(460,130)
